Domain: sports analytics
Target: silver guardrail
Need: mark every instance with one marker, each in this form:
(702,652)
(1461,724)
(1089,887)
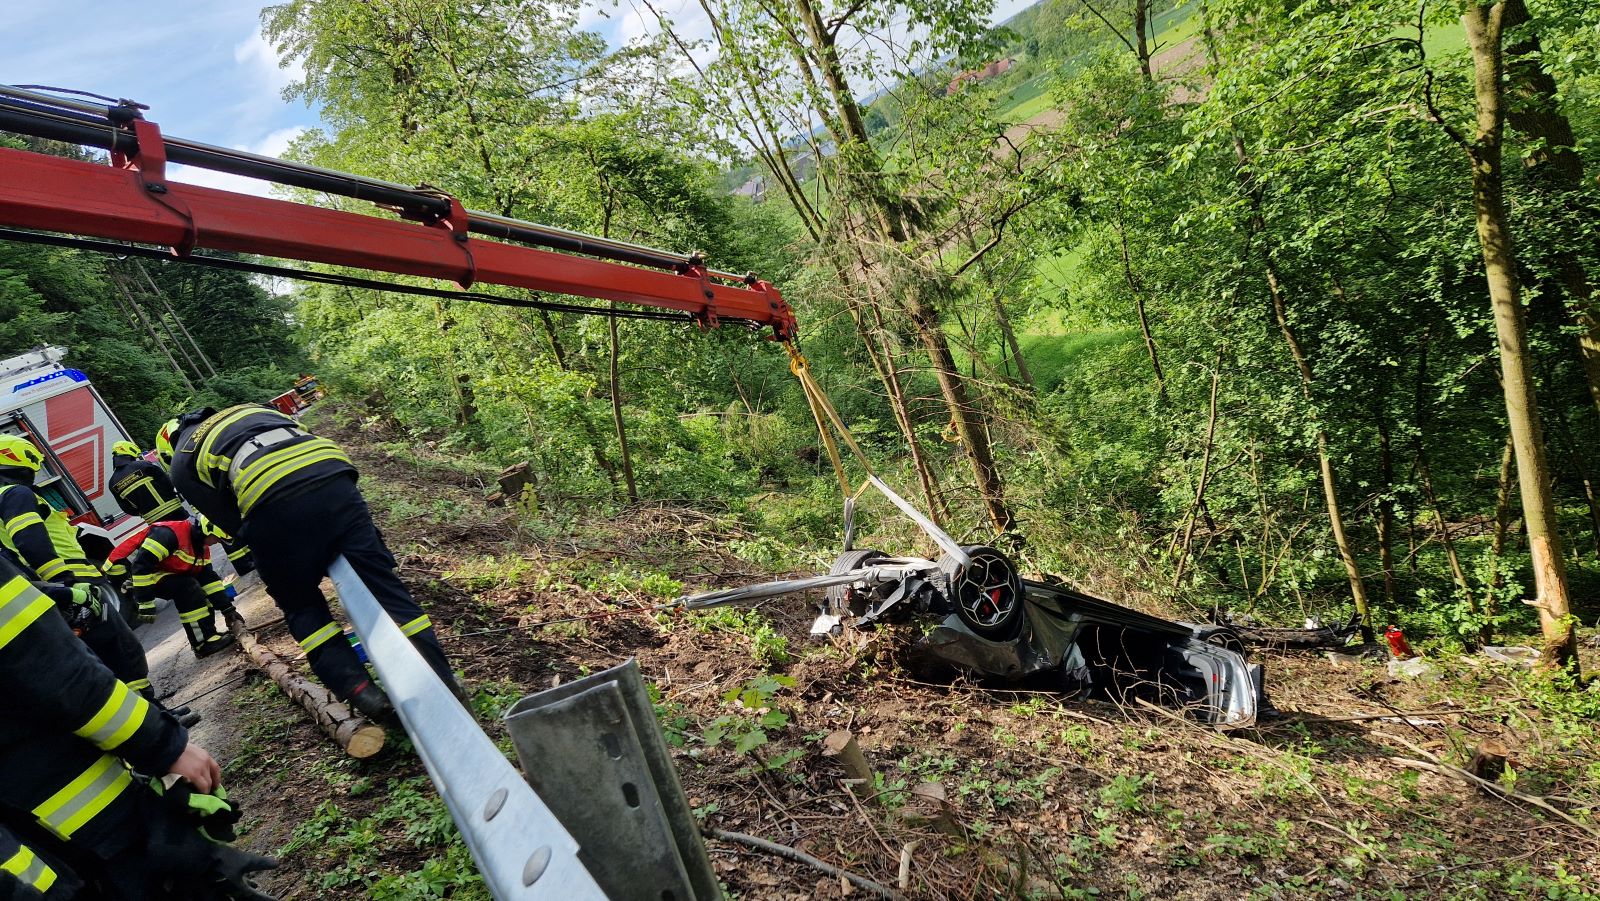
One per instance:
(520,847)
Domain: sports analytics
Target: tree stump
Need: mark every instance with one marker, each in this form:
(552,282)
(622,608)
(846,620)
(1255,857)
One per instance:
(929,805)
(352,732)
(841,746)
(1489,761)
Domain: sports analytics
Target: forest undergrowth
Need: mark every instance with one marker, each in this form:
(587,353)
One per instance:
(1035,797)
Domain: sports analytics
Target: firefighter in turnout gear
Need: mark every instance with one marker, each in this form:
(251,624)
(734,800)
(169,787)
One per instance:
(173,560)
(42,539)
(292,497)
(71,738)
(142,488)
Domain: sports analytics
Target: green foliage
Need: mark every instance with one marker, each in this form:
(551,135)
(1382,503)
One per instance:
(767,646)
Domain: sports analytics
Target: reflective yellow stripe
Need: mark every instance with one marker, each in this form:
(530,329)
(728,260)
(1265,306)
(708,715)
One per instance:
(52,569)
(120,716)
(256,478)
(66,811)
(184,557)
(238,552)
(138,684)
(315,639)
(18,523)
(215,587)
(194,616)
(20,605)
(154,547)
(160,513)
(207,463)
(416,625)
(147,580)
(58,566)
(30,870)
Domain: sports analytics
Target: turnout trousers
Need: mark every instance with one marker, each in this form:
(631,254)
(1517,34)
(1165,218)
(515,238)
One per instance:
(112,640)
(195,611)
(295,539)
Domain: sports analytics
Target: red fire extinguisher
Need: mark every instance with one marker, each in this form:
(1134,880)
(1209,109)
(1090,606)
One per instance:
(1397,642)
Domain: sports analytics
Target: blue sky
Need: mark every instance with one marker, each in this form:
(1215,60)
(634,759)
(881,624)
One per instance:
(204,69)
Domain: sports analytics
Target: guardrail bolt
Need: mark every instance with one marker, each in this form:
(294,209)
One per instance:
(535,867)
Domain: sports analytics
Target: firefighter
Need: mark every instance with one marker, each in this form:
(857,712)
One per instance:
(142,488)
(292,497)
(173,560)
(72,737)
(42,539)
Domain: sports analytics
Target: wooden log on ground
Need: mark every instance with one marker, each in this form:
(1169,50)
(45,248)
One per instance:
(352,732)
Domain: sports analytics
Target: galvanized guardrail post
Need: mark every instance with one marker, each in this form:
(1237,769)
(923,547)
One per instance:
(521,849)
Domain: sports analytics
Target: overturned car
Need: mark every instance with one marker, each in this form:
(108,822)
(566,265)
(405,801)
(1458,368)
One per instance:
(993,622)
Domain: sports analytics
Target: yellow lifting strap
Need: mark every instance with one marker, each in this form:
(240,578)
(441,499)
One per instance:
(822,410)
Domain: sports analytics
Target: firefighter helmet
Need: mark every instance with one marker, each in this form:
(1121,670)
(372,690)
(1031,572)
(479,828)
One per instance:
(18,451)
(164,439)
(125,449)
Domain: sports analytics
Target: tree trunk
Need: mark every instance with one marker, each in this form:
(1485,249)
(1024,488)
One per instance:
(1141,28)
(1138,307)
(353,733)
(1534,109)
(913,289)
(1497,544)
(1484,29)
(1386,511)
(1330,487)
(616,414)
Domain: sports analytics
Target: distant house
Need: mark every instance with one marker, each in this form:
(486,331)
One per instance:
(755,189)
(996,68)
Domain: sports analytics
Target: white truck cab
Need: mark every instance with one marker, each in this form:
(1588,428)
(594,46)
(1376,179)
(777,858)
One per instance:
(60,410)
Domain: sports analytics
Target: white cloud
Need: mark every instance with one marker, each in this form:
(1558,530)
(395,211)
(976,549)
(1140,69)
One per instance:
(262,60)
(274,145)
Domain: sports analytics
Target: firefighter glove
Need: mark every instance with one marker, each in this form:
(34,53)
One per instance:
(214,814)
(233,868)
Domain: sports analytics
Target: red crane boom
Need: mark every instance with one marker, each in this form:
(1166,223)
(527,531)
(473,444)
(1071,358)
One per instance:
(132,200)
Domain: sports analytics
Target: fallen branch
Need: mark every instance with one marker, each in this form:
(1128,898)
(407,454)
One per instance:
(353,733)
(1505,794)
(796,854)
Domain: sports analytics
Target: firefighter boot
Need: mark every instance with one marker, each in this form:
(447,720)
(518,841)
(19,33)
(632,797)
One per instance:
(203,637)
(371,702)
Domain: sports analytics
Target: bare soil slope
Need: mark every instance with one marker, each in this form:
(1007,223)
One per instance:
(1046,798)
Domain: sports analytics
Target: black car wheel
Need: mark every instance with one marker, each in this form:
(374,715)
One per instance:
(986,593)
(842,598)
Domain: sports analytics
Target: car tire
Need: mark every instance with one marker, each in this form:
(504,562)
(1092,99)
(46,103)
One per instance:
(987,594)
(1223,637)
(842,598)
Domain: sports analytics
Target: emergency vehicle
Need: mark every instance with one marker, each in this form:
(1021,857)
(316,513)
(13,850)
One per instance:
(60,411)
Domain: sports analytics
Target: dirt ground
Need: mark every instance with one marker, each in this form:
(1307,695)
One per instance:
(1043,798)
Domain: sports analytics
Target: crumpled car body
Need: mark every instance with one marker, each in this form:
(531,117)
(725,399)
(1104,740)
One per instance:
(989,621)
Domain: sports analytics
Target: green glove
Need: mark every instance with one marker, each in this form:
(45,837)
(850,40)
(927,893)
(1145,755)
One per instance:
(83,594)
(213,813)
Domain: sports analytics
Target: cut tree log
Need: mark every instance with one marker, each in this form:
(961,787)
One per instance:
(842,747)
(353,733)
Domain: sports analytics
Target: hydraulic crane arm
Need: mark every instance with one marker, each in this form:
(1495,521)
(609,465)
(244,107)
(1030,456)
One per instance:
(132,200)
